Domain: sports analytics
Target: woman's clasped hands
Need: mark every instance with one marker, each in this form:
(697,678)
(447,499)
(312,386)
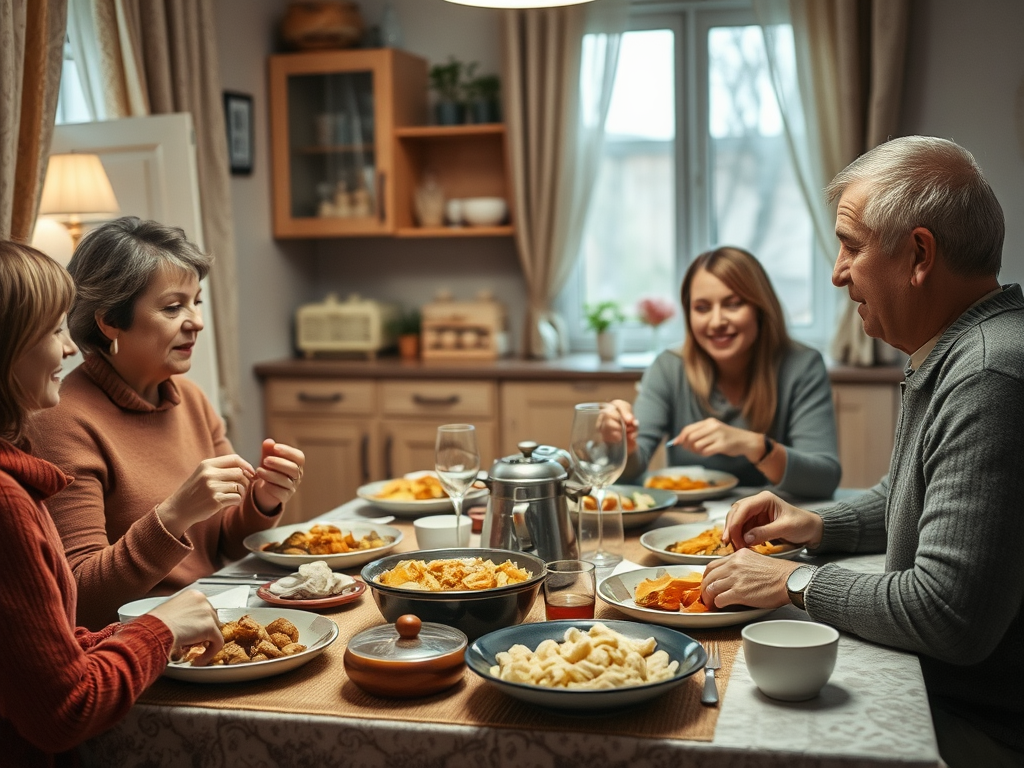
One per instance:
(278,475)
(745,577)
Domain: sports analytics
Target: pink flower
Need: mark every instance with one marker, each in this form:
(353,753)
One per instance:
(655,310)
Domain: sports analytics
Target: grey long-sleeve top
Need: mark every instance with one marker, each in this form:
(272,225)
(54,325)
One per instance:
(804,422)
(950,518)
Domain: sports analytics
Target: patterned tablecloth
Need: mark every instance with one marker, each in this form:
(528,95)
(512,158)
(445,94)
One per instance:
(873,712)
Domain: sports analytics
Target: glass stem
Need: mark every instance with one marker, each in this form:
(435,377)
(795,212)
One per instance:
(457,504)
(599,498)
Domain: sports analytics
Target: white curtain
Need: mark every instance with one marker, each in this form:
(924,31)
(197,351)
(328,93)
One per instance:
(559,70)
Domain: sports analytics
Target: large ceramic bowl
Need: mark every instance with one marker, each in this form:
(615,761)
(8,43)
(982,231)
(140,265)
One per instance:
(475,612)
(480,656)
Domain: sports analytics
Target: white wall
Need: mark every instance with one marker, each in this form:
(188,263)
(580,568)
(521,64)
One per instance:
(965,76)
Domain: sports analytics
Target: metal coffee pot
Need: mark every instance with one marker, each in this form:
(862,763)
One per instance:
(527,509)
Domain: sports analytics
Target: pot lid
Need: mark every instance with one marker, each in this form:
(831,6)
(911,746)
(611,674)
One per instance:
(408,640)
(530,464)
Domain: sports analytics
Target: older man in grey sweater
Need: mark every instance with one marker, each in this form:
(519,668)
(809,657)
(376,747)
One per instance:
(921,238)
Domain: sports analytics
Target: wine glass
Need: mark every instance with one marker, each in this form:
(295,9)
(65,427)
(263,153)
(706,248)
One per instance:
(598,449)
(457,462)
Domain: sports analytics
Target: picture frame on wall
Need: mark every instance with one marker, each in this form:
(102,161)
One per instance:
(238,118)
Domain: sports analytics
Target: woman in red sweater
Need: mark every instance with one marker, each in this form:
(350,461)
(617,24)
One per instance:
(160,497)
(59,684)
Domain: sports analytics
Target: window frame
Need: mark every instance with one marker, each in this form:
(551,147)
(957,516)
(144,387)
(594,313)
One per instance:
(690,22)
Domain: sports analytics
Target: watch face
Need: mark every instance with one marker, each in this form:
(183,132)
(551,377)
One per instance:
(799,579)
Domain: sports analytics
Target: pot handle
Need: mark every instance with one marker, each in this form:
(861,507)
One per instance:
(519,524)
(576,492)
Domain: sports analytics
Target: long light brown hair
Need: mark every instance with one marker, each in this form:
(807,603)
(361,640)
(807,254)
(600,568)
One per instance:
(34,292)
(744,274)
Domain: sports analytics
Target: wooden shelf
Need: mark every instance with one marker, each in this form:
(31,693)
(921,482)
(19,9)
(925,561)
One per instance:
(337,149)
(505,230)
(449,131)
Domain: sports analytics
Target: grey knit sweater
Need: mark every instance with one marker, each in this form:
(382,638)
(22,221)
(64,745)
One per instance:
(950,518)
(804,422)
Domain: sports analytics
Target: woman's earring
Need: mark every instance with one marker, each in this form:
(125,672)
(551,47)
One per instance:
(113,346)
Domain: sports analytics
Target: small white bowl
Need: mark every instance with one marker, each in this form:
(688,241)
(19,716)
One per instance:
(438,531)
(790,660)
(136,608)
(484,211)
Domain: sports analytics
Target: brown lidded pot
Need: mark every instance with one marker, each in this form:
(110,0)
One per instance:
(406,659)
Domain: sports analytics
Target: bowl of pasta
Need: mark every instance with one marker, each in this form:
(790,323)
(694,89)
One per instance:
(476,590)
(585,665)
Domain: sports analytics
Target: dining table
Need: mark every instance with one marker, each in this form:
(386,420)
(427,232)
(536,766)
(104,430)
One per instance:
(872,712)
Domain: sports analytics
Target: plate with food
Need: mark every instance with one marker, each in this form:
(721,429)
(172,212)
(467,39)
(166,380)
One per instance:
(259,642)
(530,663)
(640,505)
(414,494)
(314,586)
(345,545)
(700,543)
(690,484)
(670,597)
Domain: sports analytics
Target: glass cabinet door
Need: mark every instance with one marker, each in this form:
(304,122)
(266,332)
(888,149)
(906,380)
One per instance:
(331,147)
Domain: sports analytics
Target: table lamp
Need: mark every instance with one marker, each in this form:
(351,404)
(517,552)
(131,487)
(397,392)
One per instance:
(77,190)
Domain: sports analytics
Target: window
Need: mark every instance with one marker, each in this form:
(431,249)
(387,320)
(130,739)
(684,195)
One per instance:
(695,156)
(71,103)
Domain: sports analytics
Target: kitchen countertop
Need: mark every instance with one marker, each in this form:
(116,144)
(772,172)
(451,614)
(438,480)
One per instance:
(568,368)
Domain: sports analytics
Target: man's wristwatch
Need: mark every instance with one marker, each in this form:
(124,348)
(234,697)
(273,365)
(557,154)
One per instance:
(797,583)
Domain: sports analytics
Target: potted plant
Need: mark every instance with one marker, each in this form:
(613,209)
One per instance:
(601,318)
(482,102)
(446,82)
(407,328)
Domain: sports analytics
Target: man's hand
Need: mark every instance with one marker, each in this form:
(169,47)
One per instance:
(764,517)
(747,578)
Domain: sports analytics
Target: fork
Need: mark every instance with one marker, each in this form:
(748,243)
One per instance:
(710,695)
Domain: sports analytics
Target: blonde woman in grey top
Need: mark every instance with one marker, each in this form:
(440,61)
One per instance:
(740,396)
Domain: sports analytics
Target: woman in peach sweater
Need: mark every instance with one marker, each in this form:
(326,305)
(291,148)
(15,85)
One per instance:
(59,684)
(160,498)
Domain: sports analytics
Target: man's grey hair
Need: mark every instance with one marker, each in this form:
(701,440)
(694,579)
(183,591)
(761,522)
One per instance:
(920,181)
(114,265)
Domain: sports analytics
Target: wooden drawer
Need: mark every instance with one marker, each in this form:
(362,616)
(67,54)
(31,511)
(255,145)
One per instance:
(437,399)
(333,396)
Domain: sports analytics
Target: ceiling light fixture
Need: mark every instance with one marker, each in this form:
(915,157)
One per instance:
(518,3)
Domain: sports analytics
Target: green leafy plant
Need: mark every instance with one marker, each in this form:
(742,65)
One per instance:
(446,79)
(407,323)
(483,88)
(603,315)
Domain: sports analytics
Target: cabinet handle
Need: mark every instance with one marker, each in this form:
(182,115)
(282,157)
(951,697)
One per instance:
(387,457)
(334,397)
(364,458)
(424,400)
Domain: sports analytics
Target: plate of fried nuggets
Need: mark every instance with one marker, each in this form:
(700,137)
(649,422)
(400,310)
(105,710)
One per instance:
(412,495)
(259,642)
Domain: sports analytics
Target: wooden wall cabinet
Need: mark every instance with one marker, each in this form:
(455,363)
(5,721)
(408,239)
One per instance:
(350,146)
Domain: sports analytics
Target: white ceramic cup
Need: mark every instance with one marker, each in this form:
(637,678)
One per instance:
(790,660)
(136,608)
(438,531)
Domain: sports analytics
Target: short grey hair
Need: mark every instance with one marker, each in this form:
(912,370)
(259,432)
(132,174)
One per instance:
(921,181)
(114,265)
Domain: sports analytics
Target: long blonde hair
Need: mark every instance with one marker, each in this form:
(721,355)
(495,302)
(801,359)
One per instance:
(744,274)
(34,292)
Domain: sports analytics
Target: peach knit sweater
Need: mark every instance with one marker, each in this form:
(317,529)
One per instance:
(127,456)
(59,684)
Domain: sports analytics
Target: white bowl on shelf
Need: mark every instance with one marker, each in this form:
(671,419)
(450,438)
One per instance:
(484,211)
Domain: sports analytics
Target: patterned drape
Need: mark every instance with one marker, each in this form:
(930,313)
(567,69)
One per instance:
(31,55)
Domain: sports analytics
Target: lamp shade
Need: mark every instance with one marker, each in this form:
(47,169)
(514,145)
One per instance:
(518,3)
(77,189)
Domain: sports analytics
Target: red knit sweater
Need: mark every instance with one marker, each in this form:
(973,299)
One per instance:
(127,456)
(59,684)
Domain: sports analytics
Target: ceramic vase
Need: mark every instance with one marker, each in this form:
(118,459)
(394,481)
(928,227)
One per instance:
(607,346)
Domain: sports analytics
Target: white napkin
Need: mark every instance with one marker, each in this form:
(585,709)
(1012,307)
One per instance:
(313,580)
(236,597)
